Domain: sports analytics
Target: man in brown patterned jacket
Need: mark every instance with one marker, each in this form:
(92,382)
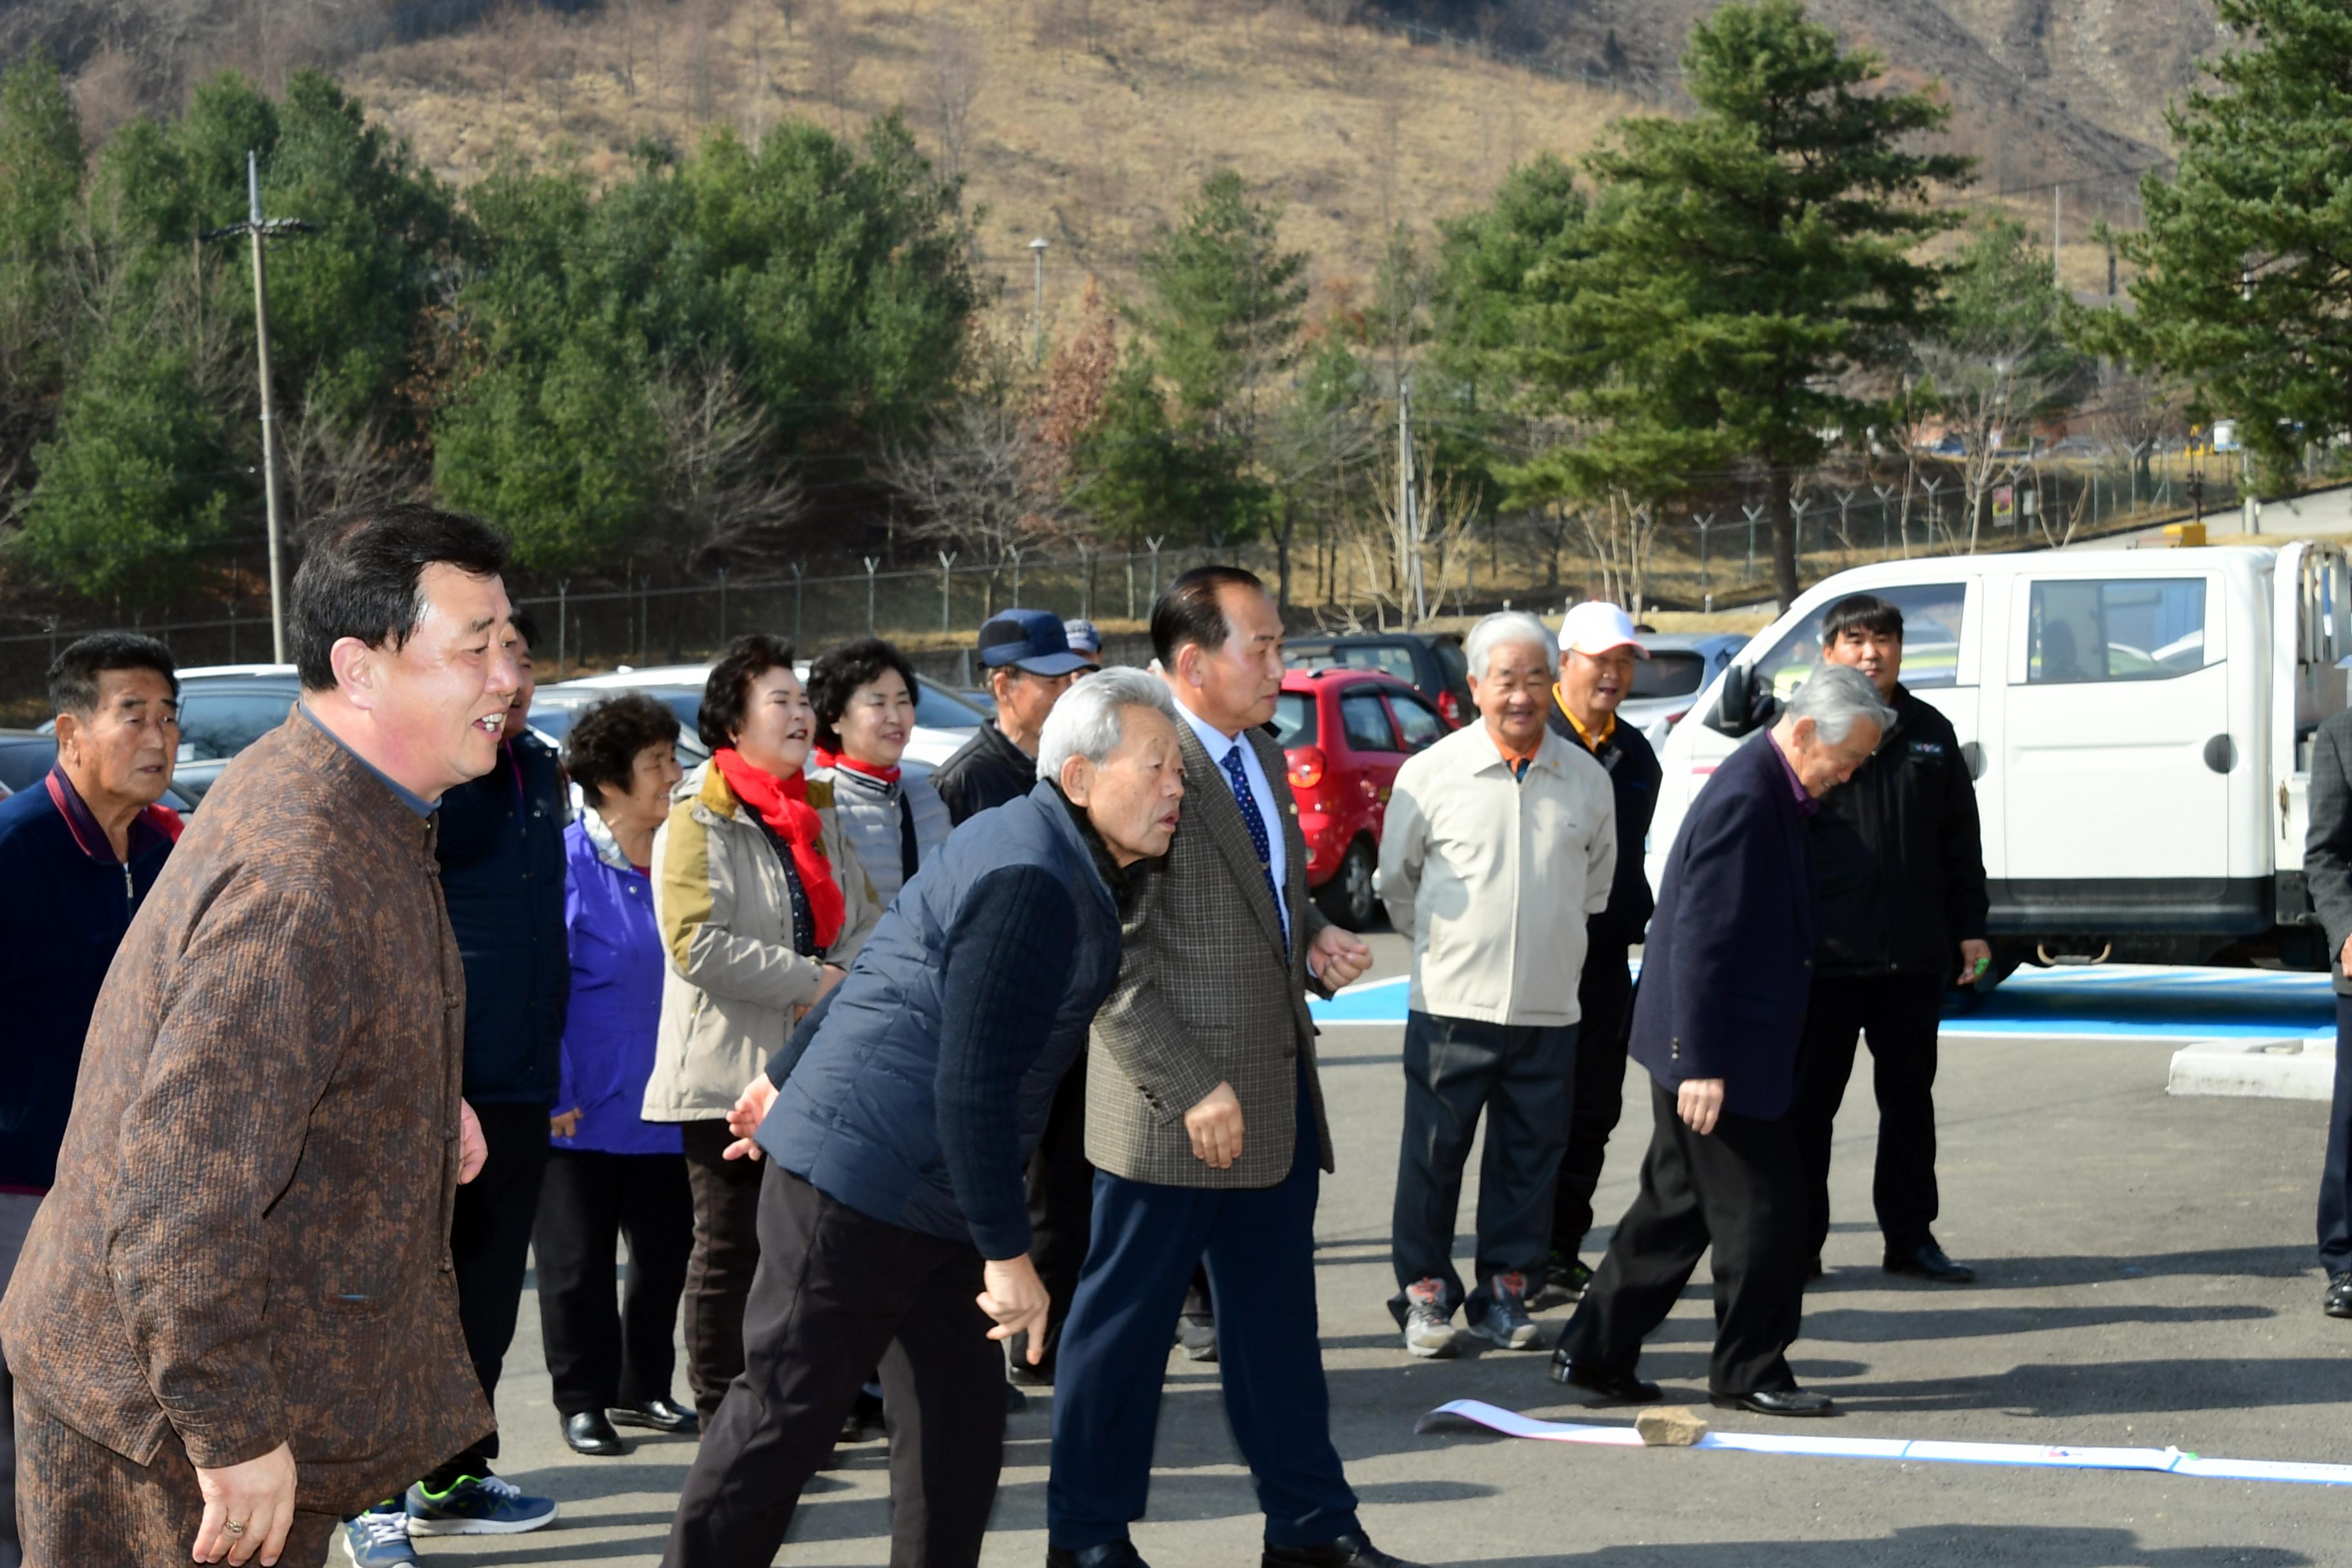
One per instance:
(234,1322)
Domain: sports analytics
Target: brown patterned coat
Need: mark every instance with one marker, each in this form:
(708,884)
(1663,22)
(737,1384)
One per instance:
(1206,995)
(248,1240)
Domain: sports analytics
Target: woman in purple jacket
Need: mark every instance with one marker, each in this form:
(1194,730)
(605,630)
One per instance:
(611,1174)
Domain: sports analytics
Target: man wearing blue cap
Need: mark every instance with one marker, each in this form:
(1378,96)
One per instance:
(1030,664)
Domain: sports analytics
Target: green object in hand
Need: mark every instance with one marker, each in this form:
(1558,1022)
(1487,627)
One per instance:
(1983,965)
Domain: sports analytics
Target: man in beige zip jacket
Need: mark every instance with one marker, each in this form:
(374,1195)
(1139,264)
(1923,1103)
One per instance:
(1500,839)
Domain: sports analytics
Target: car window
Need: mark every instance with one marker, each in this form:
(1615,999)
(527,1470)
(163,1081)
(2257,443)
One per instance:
(1294,720)
(1416,721)
(935,708)
(1365,718)
(1669,672)
(23,762)
(2142,628)
(1388,659)
(215,727)
(1453,662)
(1931,641)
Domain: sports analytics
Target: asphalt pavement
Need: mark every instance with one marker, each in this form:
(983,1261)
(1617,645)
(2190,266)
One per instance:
(2146,1280)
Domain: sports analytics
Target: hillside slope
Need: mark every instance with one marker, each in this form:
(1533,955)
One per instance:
(1085,124)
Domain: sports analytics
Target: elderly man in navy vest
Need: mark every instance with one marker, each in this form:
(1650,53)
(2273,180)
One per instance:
(1725,975)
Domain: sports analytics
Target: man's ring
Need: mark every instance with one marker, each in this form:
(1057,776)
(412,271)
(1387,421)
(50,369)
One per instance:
(235,1528)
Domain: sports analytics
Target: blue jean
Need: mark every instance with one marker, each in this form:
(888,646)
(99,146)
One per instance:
(1259,1246)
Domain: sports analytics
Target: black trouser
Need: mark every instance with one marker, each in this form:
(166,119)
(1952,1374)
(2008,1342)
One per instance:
(838,1291)
(598,1356)
(1519,1076)
(1900,1014)
(1740,1188)
(725,1256)
(2335,1175)
(1061,1205)
(489,1247)
(1604,996)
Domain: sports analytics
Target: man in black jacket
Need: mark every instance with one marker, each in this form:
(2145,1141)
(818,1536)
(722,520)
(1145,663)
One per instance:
(1597,649)
(1902,907)
(1030,664)
(501,851)
(2328,871)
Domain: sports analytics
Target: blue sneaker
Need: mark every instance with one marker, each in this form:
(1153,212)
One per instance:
(379,1538)
(476,1505)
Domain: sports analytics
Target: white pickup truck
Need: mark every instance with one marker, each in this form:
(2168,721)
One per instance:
(2139,724)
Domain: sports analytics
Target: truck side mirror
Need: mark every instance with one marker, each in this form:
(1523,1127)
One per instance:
(1734,715)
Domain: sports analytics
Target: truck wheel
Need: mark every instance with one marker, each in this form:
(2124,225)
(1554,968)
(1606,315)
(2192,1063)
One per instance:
(1346,898)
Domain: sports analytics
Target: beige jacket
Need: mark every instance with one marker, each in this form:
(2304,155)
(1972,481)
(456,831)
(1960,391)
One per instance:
(733,982)
(1493,878)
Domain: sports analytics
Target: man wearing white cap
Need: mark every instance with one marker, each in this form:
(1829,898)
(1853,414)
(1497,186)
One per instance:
(1597,651)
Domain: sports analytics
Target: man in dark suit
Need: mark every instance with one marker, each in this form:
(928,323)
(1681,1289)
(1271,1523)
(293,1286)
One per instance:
(2327,871)
(1721,1010)
(1205,1120)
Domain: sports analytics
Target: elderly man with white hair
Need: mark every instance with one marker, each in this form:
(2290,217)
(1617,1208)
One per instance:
(1501,840)
(1724,973)
(894,1228)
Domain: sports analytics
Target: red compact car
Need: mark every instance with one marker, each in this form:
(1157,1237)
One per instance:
(1347,731)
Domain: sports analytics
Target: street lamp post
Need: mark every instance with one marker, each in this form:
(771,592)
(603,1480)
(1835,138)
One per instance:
(1037,249)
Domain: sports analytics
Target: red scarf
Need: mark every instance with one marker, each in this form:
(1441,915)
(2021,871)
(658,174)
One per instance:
(825,759)
(782,804)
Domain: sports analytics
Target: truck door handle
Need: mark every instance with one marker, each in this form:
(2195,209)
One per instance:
(2220,753)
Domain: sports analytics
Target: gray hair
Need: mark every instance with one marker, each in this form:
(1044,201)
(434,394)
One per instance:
(1505,628)
(1090,720)
(1835,698)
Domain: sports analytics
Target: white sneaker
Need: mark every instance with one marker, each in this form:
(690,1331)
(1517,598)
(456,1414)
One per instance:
(1428,1327)
(1507,1324)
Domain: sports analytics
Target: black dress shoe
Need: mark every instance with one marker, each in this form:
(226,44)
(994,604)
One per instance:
(2338,1301)
(590,1433)
(1110,1554)
(1927,1261)
(864,1423)
(1776,1402)
(1342,1552)
(663,1414)
(1614,1387)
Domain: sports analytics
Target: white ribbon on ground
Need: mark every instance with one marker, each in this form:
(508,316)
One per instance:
(2170,1461)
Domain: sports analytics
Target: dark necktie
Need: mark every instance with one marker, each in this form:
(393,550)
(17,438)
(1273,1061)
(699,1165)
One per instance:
(1255,820)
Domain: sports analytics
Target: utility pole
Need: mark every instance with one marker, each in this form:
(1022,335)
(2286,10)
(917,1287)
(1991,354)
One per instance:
(1408,508)
(2057,233)
(258,230)
(1037,312)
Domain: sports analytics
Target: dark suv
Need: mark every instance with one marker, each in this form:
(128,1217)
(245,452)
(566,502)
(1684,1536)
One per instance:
(1430,661)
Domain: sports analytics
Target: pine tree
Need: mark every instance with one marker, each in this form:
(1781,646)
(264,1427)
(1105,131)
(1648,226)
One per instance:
(1744,261)
(2243,288)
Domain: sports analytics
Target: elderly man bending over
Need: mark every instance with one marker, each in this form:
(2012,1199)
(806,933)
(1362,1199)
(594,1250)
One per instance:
(1725,972)
(895,1225)
(1500,840)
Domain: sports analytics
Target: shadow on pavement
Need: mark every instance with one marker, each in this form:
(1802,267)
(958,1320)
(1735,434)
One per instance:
(1858,1325)
(2043,1546)
(2120,1388)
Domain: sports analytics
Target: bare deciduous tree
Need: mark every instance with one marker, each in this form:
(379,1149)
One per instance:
(956,72)
(832,57)
(979,482)
(725,501)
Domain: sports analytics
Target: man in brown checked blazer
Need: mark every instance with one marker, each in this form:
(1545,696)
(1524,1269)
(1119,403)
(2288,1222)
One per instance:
(1205,1120)
(234,1323)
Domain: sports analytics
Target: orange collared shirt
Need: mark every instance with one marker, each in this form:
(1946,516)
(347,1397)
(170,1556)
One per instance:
(1519,761)
(1592,742)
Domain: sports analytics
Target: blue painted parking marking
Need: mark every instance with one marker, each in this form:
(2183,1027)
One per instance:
(2124,1000)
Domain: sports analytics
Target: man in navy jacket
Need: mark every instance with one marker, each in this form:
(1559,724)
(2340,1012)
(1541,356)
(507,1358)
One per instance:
(78,852)
(1721,1011)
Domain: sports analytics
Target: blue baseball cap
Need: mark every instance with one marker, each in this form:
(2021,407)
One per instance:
(1031,640)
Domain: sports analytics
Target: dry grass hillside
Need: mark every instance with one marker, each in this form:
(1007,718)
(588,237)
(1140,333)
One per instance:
(1081,122)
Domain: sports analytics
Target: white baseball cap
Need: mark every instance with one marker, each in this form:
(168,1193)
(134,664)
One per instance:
(1597,626)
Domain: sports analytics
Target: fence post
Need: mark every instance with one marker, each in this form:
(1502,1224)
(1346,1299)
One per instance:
(1085,583)
(1706,520)
(1016,576)
(1154,541)
(871,563)
(947,588)
(645,617)
(722,606)
(1753,513)
(1798,506)
(1934,513)
(798,570)
(562,625)
(232,631)
(1131,583)
(1845,528)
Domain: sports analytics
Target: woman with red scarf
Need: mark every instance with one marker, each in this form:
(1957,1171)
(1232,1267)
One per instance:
(761,903)
(863,694)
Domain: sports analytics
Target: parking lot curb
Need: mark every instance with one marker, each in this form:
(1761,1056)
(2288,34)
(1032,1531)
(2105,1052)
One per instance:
(2265,1070)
